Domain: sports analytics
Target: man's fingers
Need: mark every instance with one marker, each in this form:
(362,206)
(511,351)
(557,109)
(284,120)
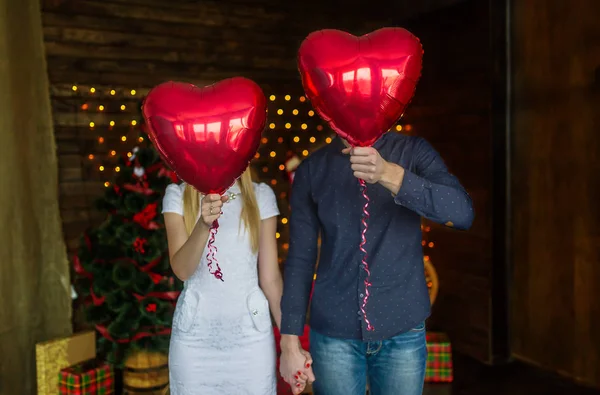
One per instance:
(362,151)
(363,168)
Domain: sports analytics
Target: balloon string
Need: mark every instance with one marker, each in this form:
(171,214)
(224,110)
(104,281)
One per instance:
(212,250)
(365,264)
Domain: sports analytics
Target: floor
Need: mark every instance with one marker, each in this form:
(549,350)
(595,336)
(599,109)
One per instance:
(473,378)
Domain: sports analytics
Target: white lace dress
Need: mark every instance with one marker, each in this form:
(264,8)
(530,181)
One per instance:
(222,340)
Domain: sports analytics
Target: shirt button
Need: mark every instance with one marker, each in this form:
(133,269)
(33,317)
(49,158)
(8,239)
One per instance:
(361,295)
(359,312)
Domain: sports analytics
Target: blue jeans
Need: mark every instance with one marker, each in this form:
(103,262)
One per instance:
(394,366)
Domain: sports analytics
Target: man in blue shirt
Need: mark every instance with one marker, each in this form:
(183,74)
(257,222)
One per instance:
(382,341)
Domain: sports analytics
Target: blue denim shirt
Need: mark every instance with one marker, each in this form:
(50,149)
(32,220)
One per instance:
(326,200)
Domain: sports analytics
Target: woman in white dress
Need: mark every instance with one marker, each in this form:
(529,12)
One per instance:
(222,340)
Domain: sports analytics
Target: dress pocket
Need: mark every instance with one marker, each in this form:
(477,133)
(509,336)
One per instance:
(186,310)
(258,308)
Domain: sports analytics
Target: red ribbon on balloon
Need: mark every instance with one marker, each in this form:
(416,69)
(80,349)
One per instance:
(207,135)
(361,86)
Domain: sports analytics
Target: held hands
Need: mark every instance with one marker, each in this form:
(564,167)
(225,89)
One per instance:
(295,367)
(210,208)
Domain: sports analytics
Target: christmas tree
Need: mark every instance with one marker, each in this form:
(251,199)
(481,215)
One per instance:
(122,266)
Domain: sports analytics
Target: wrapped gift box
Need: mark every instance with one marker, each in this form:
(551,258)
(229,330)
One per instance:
(53,355)
(439,359)
(87,378)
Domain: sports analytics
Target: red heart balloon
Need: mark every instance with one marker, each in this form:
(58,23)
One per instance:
(360,85)
(206,135)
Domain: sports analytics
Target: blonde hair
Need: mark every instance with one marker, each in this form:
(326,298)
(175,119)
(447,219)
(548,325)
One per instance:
(250,216)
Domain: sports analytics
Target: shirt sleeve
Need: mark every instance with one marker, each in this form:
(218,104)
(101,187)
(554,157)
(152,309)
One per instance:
(267,202)
(302,256)
(173,199)
(432,192)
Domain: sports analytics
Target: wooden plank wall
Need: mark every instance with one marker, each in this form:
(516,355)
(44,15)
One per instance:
(452,111)
(556,187)
(117,47)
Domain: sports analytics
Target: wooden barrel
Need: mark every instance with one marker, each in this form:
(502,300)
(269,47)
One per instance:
(146,373)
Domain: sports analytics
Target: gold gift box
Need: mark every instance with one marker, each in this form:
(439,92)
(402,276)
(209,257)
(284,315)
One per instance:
(54,355)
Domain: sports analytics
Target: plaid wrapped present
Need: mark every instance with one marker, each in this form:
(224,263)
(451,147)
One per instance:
(87,378)
(439,359)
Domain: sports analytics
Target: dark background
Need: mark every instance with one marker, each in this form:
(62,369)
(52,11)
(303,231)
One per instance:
(509,96)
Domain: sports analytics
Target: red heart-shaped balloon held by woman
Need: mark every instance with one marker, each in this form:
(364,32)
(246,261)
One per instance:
(360,85)
(206,135)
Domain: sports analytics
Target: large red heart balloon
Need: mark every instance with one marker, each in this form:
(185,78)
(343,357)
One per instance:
(206,135)
(360,85)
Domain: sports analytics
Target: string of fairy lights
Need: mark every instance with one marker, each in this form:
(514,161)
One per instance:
(112,118)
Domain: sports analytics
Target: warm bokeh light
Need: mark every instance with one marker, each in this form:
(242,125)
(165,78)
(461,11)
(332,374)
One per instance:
(277,235)
(113,92)
(132,92)
(91,156)
(106,184)
(140,139)
(133,122)
(302,99)
(273,154)
(328,140)
(123,107)
(399,128)
(74,87)
(272,97)
(101,140)
(296,139)
(101,108)
(256,156)
(280,112)
(112,123)
(312,139)
(284,220)
(84,106)
(288,125)
(265,169)
(281,167)
(319,127)
(272,126)
(113,153)
(273,182)
(123,138)
(287,97)
(305,153)
(311,113)
(295,112)
(101,168)
(304,126)
(280,140)
(264,140)
(117,169)
(92,124)
(92,90)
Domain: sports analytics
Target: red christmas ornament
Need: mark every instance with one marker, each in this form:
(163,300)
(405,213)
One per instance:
(144,218)
(138,245)
(360,85)
(206,135)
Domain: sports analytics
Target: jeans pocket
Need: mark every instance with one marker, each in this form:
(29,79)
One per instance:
(419,328)
(258,308)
